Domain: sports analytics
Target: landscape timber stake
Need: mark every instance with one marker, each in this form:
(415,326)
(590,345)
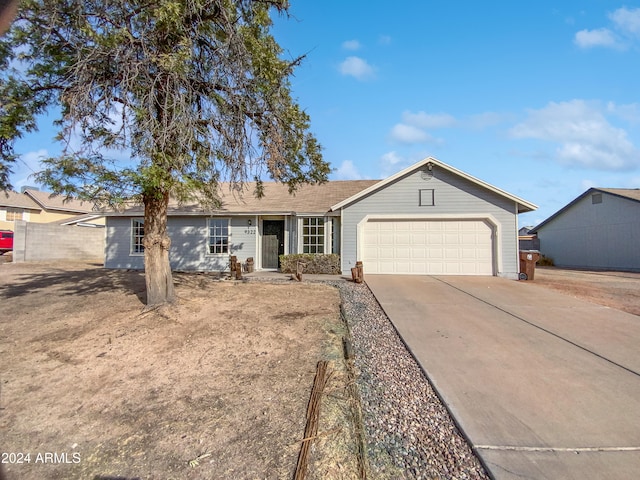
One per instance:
(313,413)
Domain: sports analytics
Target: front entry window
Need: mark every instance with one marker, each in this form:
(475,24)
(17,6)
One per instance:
(313,235)
(137,235)
(218,235)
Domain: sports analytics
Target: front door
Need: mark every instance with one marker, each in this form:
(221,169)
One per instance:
(272,243)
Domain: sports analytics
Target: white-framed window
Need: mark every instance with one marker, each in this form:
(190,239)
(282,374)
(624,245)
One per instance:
(137,234)
(14,214)
(218,237)
(313,235)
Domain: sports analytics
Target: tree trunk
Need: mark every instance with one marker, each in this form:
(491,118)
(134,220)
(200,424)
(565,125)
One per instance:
(156,249)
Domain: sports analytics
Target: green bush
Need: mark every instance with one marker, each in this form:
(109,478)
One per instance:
(545,261)
(314,263)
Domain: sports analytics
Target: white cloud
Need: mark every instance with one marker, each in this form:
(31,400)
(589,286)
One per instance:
(629,112)
(391,158)
(625,28)
(384,40)
(626,20)
(584,136)
(427,120)
(391,163)
(347,171)
(403,133)
(601,37)
(357,67)
(414,126)
(351,45)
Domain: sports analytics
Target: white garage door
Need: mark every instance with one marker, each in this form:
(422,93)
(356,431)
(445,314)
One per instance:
(425,247)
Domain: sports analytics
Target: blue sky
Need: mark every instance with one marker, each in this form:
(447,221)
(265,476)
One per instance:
(537,98)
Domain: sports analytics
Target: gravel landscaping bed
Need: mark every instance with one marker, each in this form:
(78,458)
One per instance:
(409,433)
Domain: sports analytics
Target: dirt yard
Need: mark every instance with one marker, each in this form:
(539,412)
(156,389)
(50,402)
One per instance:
(619,290)
(216,386)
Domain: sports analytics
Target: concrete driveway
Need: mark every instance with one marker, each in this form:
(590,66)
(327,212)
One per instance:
(545,386)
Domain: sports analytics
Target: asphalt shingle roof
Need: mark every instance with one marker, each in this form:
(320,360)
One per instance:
(17,200)
(632,193)
(277,199)
(49,201)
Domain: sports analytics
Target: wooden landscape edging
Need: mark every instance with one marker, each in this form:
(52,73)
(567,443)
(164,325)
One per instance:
(313,413)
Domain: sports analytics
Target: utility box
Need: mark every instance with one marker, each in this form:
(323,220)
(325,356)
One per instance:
(528,260)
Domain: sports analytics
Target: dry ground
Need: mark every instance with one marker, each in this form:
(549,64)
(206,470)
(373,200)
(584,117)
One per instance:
(620,290)
(215,386)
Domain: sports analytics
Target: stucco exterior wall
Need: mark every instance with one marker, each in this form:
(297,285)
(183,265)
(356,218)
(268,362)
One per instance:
(453,196)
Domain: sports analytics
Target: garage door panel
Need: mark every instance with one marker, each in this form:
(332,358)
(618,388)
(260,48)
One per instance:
(435,253)
(469,238)
(403,238)
(385,239)
(429,247)
(418,238)
(434,239)
(469,254)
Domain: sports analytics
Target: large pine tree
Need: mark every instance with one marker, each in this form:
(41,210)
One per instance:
(195,92)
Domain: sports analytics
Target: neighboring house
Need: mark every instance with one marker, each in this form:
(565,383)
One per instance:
(598,230)
(57,208)
(528,240)
(40,207)
(427,219)
(16,206)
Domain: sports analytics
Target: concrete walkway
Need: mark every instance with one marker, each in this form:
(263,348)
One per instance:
(543,385)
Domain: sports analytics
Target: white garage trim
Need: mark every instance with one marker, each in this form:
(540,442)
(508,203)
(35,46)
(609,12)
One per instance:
(495,224)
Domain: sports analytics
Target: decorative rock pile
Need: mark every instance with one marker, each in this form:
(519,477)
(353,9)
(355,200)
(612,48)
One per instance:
(409,433)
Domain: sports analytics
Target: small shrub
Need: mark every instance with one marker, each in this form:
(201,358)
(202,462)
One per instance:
(314,263)
(545,261)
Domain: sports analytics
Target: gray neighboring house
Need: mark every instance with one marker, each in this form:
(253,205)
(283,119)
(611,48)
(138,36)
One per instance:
(598,230)
(427,219)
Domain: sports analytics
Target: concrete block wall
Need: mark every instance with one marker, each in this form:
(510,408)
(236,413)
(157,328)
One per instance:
(37,242)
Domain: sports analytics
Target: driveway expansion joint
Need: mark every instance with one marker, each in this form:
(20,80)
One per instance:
(513,448)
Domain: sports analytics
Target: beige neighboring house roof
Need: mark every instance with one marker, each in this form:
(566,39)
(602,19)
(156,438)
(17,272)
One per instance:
(631,193)
(308,199)
(17,200)
(49,201)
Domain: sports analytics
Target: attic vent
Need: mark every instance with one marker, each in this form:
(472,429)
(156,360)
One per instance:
(426,174)
(596,198)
